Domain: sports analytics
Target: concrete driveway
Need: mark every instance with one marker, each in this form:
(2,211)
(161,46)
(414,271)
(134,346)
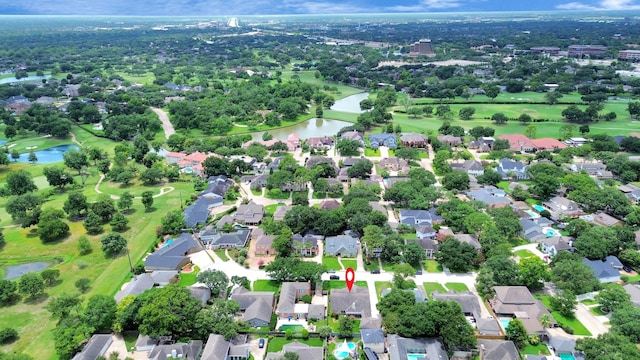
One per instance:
(254,349)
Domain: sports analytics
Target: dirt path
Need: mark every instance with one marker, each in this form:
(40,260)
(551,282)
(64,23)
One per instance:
(73,138)
(166,124)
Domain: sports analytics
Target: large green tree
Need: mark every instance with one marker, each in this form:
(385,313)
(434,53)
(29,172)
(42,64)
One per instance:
(170,311)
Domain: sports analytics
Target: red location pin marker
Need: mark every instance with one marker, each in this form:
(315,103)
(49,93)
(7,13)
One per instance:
(350,278)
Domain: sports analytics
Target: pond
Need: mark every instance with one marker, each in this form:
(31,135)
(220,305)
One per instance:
(16,271)
(50,155)
(12,80)
(314,127)
(350,104)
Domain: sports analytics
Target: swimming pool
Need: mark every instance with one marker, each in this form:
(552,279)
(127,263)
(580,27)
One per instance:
(538,208)
(188,170)
(168,242)
(532,214)
(566,357)
(415,356)
(550,232)
(344,350)
(504,322)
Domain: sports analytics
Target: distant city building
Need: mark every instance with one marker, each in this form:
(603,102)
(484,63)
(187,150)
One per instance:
(233,22)
(629,55)
(422,47)
(551,50)
(581,51)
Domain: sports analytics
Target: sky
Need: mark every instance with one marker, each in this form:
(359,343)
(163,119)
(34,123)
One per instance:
(269,7)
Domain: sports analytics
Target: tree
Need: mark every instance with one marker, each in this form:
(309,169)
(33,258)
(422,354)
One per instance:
(610,345)
(530,131)
(218,319)
(490,177)
(168,311)
(361,169)
(147,200)
(119,222)
(517,333)
(456,180)
(295,269)
(19,183)
(499,118)
(613,298)
(597,242)
(76,204)
(525,119)
(241,281)
(125,201)
(282,243)
(104,207)
(93,223)
(407,153)
(634,109)
(504,270)
(25,209)
(113,244)
(76,160)
(50,225)
(455,255)
(216,280)
(466,113)
(501,144)
(626,321)
(57,177)
(345,327)
(31,284)
(173,222)
(33,158)
(15,155)
(413,253)
(50,276)
(100,312)
(348,147)
(507,221)
(533,273)
(8,291)
(564,303)
(69,335)
(83,285)
(575,276)
(10,132)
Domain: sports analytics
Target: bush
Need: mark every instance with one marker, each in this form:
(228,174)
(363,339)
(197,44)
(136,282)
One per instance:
(8,336)
(306,299)
(624,278)
(568,329)
(305,334)
(83,284)
(288,334)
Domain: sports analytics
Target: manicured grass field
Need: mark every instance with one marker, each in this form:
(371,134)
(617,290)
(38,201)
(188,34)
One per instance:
(350,264)
(331,263)
(188,279)
(275,344)
(432,266)
(266,285)
(429,287)
(373,265)
(340,284)
(381,285)
(459,287)
(523,254)
(589,302)
(578,328)
(222,254)
(597,311)
(270,209)
(540,349)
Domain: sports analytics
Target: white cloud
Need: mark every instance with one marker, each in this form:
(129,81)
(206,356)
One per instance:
(601,5)
(441,4)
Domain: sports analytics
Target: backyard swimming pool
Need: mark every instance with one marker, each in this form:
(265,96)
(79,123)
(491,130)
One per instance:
(344,350)
(504,322)
(551,232)
(538,208)
(168,242)
(532,214)
(566,357)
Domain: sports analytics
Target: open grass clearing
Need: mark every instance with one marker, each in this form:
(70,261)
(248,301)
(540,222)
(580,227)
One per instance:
(266,285)
(524,254)
(382,285)
(275,344)
(340,284)
(455,286)
(189,278)
(350,263)
(430,287)
(432,266)
(540,349)
(331,263)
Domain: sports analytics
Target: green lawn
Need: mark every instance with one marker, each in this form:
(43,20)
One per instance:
(331,263)
(459,287)
(381,285)
(429,287)
(266,285)
(275,344)
(596,310)
(578,328)
(277,194)
(188,279)
(222,254)
(540,349)
(524,254)
(350,263)
(372,265)
(589,302)
(340,284)
(432,266)
(271,209)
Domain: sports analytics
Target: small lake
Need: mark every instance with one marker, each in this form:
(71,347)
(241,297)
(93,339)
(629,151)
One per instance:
(12,80)
(15,271)
(314,127)
(47,156)
(350,104)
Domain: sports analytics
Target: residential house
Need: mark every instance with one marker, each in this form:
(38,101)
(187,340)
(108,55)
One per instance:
(429,245)
(350,161)
(316,312)
(632,192)
(550,144)
(290,293)
(395,164)
(321,142)
(315,160)
(370,323)
(414,140)
(249,214)
(264,245)
(341,245)
(218,185)
(467,300)
(450,140)
(634,291)
(174,255)
(256,305)
(294,140)
(305,245)
(429,349)
(553,245)
(281,211)
(471,167)
(354,302)
(491,196)
(187,351)
(202,293)
(512,169)
(602,219)
(220,240)
(373,339)
(590,167)
(143,282)
(517,301)
(519,143)
(531,230)
(479,146)
(416,217)
(329,204)
(565,346)
(198,212)
(95,348)
(606,270)
(488,326)
(258,182)
(217,348)
(425,232)
(388,182)
(353,135)
(498,350)
(561,207)
(469,239)
(303,351)
(575,142)
(384,139)
(376,206)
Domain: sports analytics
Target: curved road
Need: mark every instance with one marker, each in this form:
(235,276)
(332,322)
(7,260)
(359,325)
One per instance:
(166,124)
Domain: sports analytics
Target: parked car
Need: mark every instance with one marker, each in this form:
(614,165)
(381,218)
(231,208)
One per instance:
(375,271)
(261,343)
(627,268)
(334,277)
(331,271)
(418,272)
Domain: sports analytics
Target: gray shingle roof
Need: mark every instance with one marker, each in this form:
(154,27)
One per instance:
(354,302)
(372,336)
(499,349)
(97,346)
(341,244)
(190,350)
(216,348)
(245,297)
(137,285)
(432,349)
(260,309)
(468,301)
(288,296)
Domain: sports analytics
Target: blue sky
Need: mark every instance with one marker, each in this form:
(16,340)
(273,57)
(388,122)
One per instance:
(265,7)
